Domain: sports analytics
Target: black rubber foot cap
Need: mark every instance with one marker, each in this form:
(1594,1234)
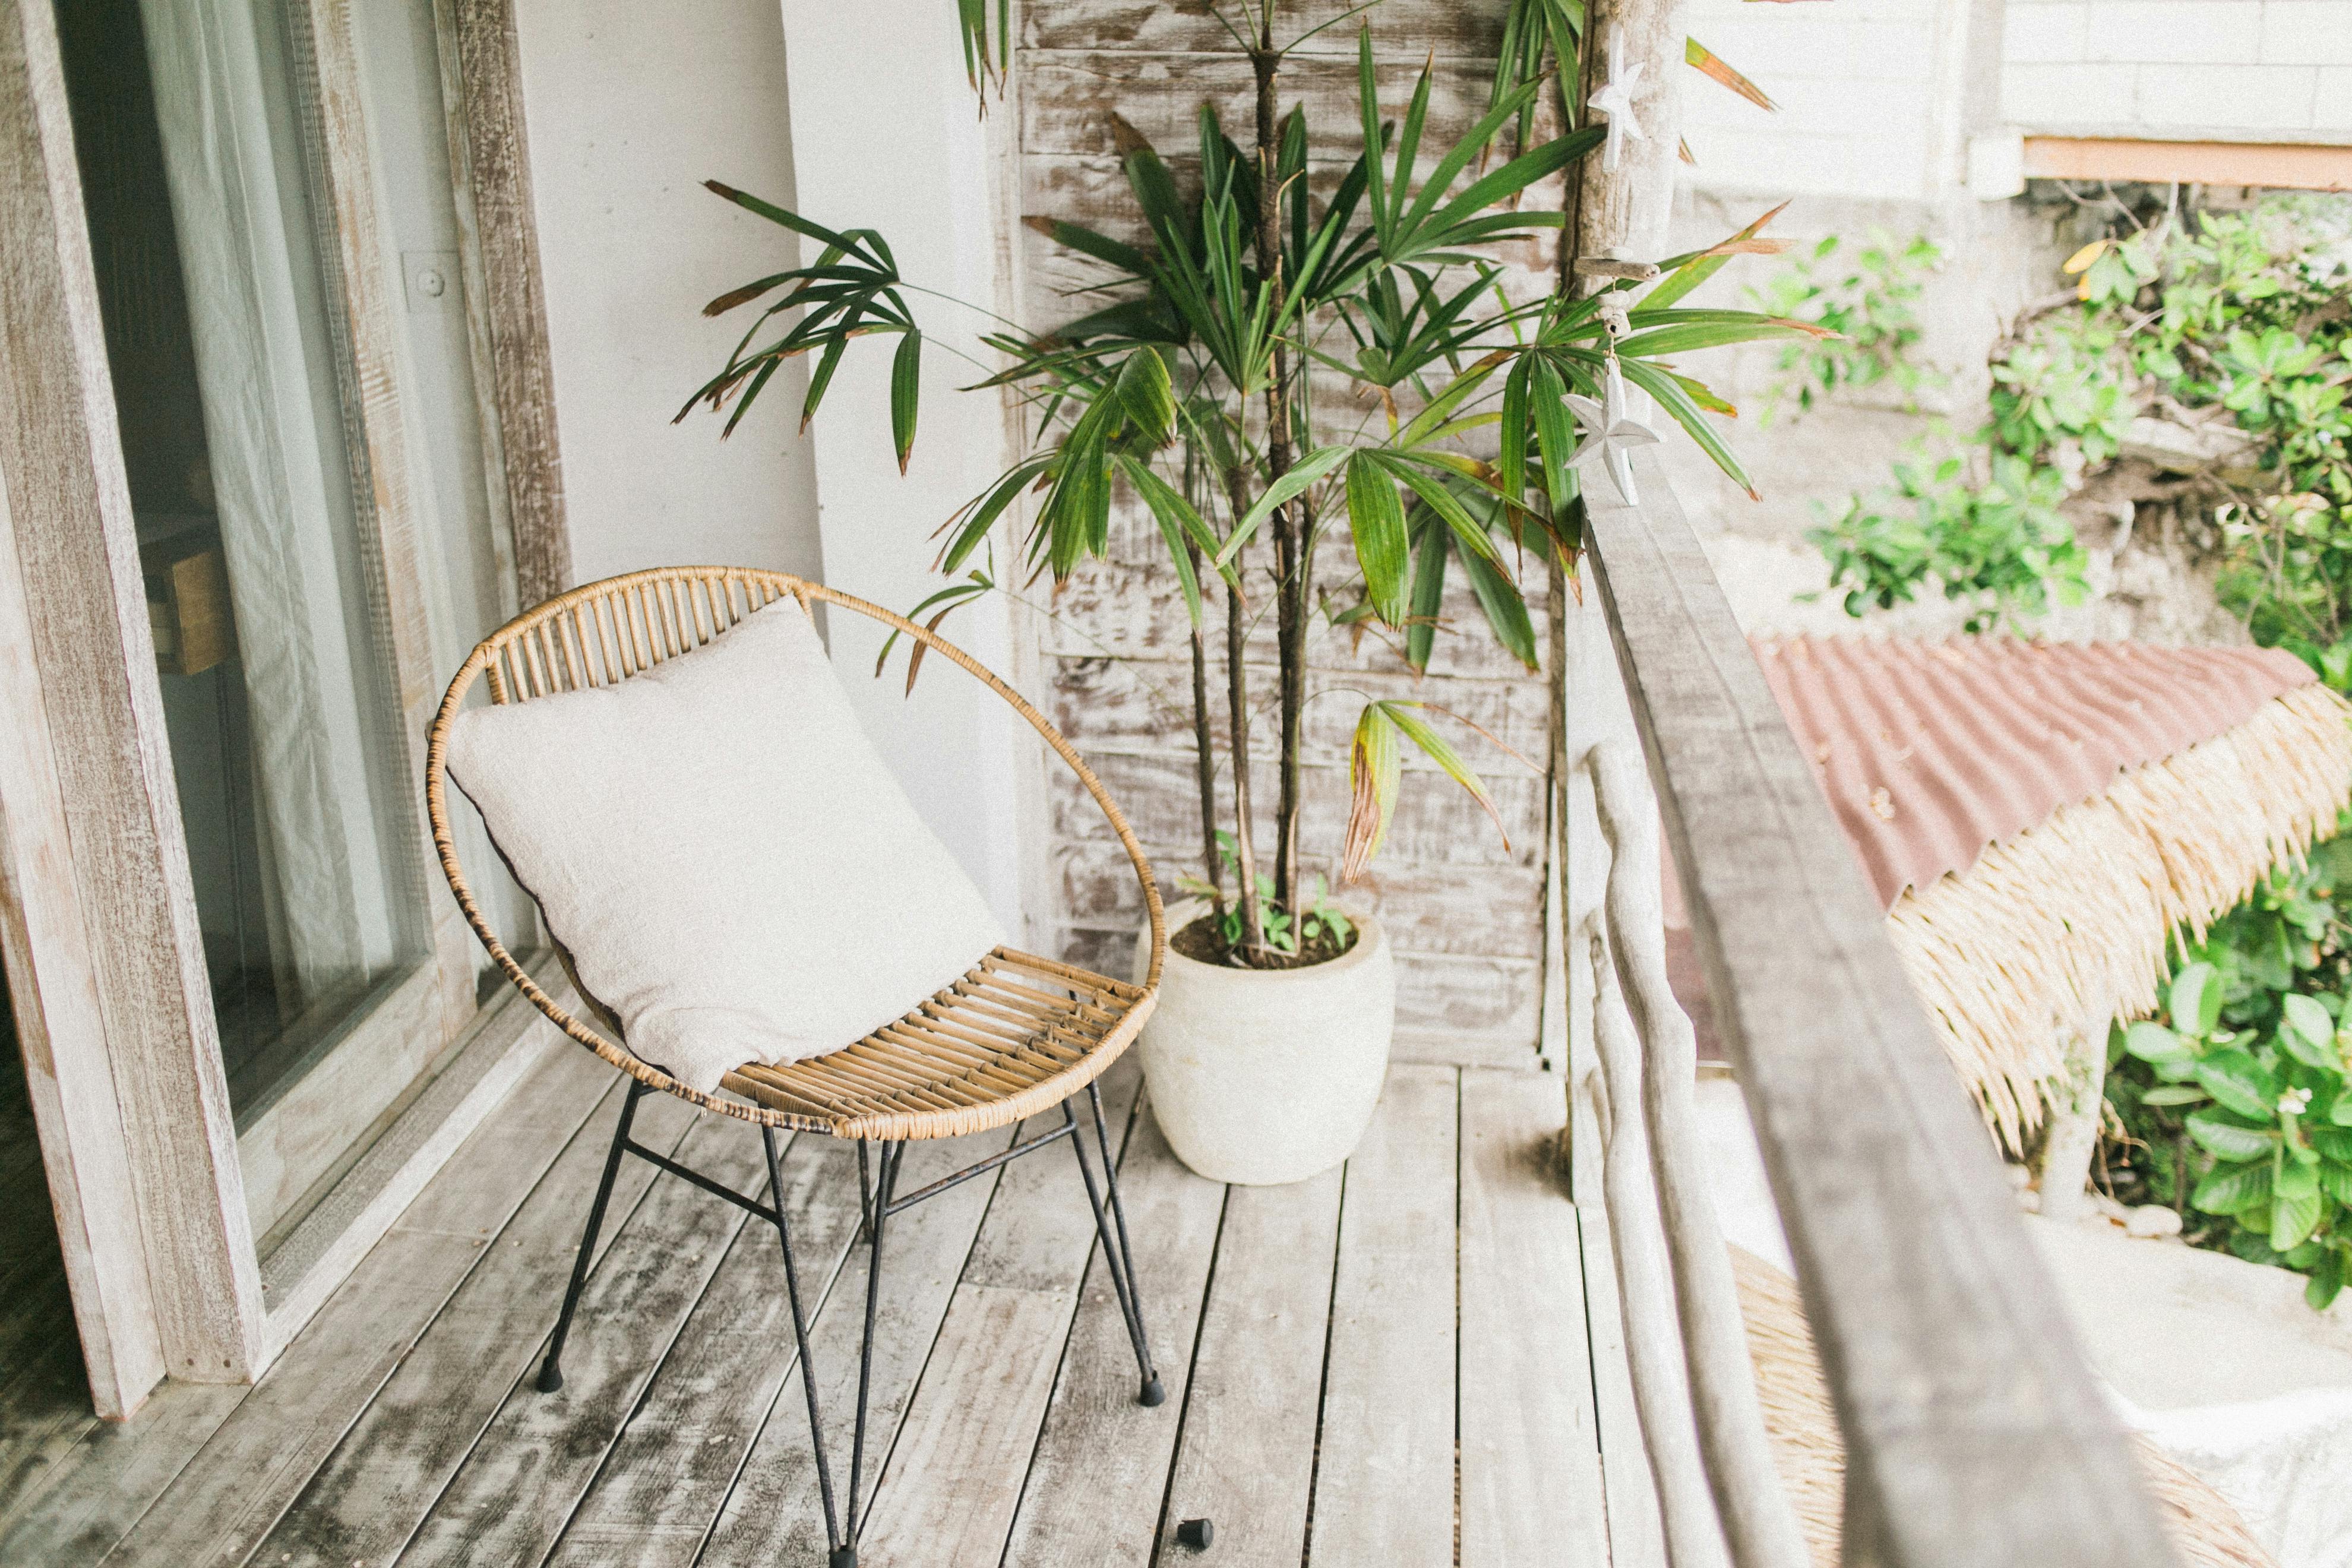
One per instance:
(550,1378)
(1197,1533)
(1152,1395)
(843,1557)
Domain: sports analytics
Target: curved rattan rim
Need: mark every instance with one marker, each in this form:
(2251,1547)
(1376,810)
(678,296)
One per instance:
(483,659)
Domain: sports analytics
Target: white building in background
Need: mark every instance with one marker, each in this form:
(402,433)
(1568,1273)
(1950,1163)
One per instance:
(1922,100)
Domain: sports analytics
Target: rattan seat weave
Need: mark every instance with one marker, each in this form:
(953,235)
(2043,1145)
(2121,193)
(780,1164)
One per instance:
(1017,1034)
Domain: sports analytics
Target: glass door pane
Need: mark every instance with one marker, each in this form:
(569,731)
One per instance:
(214,268)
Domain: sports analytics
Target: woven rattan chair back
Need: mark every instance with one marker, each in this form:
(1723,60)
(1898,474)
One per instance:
(1016,1035)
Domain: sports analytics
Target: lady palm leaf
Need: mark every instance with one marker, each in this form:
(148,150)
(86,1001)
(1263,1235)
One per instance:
(1427,223)
(851,290)
(1374,775)
(1400,334)
(1527,27)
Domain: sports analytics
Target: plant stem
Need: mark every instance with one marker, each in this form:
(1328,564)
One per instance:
(1237,703)
(1244,850)
(2181,1178)
(1212,865)
(1290,576)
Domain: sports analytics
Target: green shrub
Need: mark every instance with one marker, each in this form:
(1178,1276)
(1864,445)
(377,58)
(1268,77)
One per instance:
(2234,1102)
(2000,546)
(2245,319)
(1867,305)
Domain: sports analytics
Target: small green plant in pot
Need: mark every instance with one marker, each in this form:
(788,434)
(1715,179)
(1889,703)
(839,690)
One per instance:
(1325,408)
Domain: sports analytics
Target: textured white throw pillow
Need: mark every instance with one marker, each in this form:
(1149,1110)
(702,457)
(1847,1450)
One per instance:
(736,875)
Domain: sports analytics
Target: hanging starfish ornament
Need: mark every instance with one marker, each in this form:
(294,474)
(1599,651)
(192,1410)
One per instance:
(1611,432)
(1616,99)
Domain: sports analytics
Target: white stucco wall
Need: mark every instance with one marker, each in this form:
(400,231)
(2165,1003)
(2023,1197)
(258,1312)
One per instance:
(629,107)
(884,136)
(1873,93)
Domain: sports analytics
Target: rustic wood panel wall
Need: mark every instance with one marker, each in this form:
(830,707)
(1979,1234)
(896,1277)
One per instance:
(1465,911)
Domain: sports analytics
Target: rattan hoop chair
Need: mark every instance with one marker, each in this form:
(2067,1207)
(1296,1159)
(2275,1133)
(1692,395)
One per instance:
(1018,1034)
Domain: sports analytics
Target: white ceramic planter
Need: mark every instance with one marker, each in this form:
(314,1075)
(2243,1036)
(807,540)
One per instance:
(1268,1076)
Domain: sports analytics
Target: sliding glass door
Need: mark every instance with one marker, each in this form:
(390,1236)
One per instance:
(221,255)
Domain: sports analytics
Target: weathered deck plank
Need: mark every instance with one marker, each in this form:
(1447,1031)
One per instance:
(402,1426)
(44,1414)
(1531,1487)
(281,1434)
(664,1482)
(1095,1486)
(509,1500)
(1246,1458)
(773,1515)
(1384,1479)
(98,1490)
(369,1496)
(954,1479)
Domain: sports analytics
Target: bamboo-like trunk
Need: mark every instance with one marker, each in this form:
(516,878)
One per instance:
(1204,754)
(1290,575)
(1237,710)
(1245,849)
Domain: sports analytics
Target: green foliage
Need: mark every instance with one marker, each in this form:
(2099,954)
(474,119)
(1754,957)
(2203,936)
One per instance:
(2063,383)
(2239,320)
(2000,546)
(1276,362)
(1318,920)
(2235,1101)
(1867,298)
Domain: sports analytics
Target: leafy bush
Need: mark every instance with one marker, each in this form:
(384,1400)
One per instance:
(2061,384)
(2000,546)
(2234,1102)
(1869,310)
(2243,319)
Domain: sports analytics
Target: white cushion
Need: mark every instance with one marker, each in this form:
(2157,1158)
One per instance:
(736,875)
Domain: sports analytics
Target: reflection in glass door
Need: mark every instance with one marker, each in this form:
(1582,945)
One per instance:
(216,283)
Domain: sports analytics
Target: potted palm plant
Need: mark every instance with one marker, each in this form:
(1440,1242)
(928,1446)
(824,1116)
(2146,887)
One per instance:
(1326,406)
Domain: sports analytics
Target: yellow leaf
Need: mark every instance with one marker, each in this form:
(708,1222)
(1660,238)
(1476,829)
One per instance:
(2083,286)
(2081,260)
(1372,768)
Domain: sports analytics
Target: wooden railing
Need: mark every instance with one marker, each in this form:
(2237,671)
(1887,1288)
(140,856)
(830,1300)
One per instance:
(1975,1433)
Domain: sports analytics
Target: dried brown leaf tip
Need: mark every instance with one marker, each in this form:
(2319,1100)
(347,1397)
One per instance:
(1125,137)
(734,297)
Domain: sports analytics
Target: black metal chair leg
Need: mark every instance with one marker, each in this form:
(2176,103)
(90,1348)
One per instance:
(885,1186)
(1117,1258)
(1117,1209)
(832,1536)
(551,1371)
(865,1195)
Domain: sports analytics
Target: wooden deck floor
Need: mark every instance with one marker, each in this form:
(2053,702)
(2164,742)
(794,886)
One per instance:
(1389,1365)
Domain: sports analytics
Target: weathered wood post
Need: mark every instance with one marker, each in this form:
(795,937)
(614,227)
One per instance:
(1620,214)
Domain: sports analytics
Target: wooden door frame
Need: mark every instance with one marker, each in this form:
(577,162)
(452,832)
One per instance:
(92,657)
(514,369)
(98,917)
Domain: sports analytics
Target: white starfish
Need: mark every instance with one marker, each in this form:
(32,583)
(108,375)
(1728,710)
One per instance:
(1611,433)
(1616,99)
